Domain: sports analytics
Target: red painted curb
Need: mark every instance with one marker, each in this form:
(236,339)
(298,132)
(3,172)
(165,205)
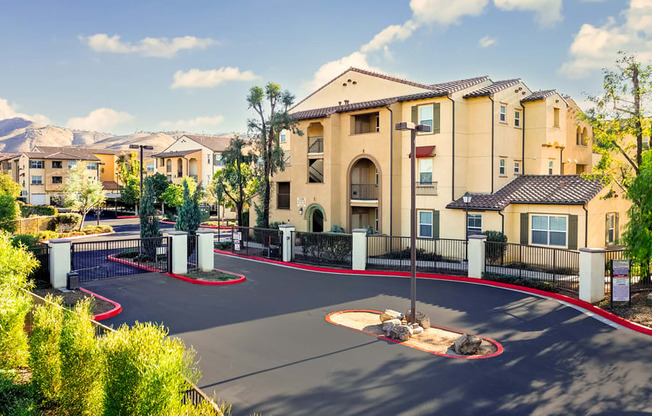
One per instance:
(132,264)
(200,226)
(498,345)
(104,315)
(125,217)
(589,307)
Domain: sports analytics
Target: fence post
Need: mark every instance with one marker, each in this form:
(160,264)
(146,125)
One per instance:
(59,262)
(179,242)
(476,258)
(359,249)
(592,261)
(205,254)
(287,241)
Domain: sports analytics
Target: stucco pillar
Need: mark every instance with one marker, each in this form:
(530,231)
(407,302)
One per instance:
(592,268)
(179,246)
(59,262)
(287,241)
(205,253)
(476,251)
(359,249)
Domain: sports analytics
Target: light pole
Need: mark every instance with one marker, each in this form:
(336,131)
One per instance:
(467,200)
(97,209)
(413,210)
(141,147)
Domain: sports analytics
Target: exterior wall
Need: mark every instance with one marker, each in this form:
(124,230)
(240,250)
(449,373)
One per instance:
(598,208)
(205,158)
(108,170)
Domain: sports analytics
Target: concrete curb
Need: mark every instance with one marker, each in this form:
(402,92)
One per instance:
(104,315)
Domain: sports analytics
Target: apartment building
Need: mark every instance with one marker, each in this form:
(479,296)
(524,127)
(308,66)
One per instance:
(493,139)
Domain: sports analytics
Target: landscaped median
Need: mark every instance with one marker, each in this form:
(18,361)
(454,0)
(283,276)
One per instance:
(101,307)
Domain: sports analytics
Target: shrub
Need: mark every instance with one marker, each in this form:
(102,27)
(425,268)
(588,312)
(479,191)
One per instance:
(65,222)
(275,225)
(46,235)
(97,229)
(27,240)
(495,252)
(145,371)
(27,210)
(223,245)
(244,219)
(15,398)
(331,247)
(521,281)
(44,352)
(9,211)
(81,363)
(336,229)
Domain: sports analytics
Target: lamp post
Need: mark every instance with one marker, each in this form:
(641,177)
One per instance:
(413,210)
(97,209)
(467,200)
(141,147)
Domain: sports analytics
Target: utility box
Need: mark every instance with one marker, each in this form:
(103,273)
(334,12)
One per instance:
(73,281)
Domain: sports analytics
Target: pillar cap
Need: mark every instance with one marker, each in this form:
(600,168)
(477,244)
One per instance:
(59,240)
(477,237)
(592,250)
(282,226)
(359,230)
(205,231)
(177,233)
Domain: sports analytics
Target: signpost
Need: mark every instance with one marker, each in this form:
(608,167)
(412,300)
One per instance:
(620,282)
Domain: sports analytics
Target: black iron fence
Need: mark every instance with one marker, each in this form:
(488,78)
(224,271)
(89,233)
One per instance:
(326,249)
(440,255)
(41,274)
(640,274)
(364,191)
(557,267)
(257,242)
(193,243)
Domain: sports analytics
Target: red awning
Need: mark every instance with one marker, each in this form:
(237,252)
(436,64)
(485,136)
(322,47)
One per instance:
(424,151)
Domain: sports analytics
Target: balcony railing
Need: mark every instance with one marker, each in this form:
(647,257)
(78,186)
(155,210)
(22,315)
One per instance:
(426,188)
(364,191)
(316,144)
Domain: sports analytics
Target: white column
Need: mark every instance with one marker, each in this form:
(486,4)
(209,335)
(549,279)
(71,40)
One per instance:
(205,254)
(288,243)
(476,254)
(359,249)
(592,271)
(59,262)
(179,245)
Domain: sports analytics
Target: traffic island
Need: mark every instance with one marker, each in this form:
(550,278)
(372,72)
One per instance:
(431,338)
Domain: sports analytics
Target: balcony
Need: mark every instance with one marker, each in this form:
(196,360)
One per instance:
(364,191)
(426,188)
(315,144)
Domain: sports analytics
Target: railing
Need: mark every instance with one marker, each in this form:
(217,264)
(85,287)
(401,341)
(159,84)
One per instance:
(641,279)
(257,242)
(31,225)
(331,249)
(426,188)
(316,175)
(557,267)
(433,255)
(316,144)
(41,274)
(193,243)
(364,191)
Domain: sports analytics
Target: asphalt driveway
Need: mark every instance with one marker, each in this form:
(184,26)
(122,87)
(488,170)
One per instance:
(266,347)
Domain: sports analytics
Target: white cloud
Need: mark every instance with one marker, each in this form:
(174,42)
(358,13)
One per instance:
(195,78)
(9,111)
(388,35)
(194,123)
(597,47)
(157,47)
(331,69)
(547,12)
(486,41)
(102,119)
(445,11)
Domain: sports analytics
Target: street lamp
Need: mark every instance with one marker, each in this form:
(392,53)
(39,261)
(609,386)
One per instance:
(141,147)
(97,209)
(467,200)
(413,210)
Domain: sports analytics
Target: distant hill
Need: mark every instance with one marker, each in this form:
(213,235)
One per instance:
(20,135)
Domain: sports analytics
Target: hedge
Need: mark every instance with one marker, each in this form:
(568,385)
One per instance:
(65,222)
(27,210)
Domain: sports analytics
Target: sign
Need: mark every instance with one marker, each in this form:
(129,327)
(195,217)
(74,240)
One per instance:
(620,281)
(236,245)
(237,236)
(301,202)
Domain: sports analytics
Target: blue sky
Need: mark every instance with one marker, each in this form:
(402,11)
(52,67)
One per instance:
(123,66)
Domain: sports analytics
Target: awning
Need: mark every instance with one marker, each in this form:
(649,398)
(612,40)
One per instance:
(424,151)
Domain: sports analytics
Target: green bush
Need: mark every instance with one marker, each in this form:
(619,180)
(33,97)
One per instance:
(46,235)
(82,364)
(223,245)
(336,229)
(44,352)
(97,229)
(330,247)
(495,252)
(145,371)
(15,398)
(64,222)
(521,281)
(244,219)
(27,240)
(9,211)
(27,210)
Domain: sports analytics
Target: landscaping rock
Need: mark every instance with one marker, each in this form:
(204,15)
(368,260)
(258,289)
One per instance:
(421,318)
(467,344)
(418,330)
(388,325)
(390,314)
(401,332)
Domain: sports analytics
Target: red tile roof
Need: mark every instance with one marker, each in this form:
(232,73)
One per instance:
(493,88)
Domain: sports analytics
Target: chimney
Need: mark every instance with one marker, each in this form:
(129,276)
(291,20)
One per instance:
(346,102)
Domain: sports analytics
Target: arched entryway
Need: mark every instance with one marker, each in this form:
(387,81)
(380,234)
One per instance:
(364,194)
(192,167)
(315,217)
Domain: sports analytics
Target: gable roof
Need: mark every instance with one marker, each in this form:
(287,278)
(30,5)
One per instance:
(215,143)
(81,150)
(535,189)
(176,153)
(493,88)
(454,86)
(539,95)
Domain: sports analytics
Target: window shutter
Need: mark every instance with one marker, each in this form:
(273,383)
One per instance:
(435,224)
(524,228)
(606,229)
(572,232)
(616,230)
(415,114)
(436,116)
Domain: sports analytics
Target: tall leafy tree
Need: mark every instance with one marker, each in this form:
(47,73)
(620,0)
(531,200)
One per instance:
(8,186)
(638,233)
(9,211)
(128,175)
(147,211)
(173,195)
(189,214)
(271,105)
(83,193)
(620,118)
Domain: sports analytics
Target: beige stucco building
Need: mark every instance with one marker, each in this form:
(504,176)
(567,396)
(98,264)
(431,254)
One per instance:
(351,168)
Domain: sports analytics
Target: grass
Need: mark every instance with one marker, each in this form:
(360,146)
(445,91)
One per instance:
(214,276)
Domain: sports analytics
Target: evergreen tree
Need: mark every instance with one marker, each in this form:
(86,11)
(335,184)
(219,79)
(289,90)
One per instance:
(638,233)
(189,214)
(147,212)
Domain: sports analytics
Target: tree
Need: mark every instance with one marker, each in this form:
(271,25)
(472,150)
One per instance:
(130,191)
(128,175)
(8,186)
(620,119)
(9,211)
(236,180)
(147,211)
(173,195)
(271,106)
(83,193)
(189,214)
(159,184)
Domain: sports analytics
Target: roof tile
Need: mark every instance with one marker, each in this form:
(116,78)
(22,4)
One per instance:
(493,88)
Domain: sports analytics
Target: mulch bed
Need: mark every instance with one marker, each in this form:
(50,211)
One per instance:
(71,298)
(214,276)
(639,312)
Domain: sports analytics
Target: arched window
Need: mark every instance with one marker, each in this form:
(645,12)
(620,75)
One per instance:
(168,166)
(578,139)
(585,136)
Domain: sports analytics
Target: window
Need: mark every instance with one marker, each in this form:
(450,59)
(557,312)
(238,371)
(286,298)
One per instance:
(71,164)
(283,136)
(556,118)
(91,166)
(503,113)
(425,171)
(646,144)
(425,224)
(426,116)
(150,167)
(37,180)
(57,179)
(9,165)
(168,166)
(57,164)
(283,195)
(36,164)
(474,224)
(208,159)
(364,123)
(549,230)
(218,160)
(517,118)
(316,171)
(377,126)
(551,167)
(501,167)
(612,228)
(162,163)
(517,167)
(376,221)
(260,162)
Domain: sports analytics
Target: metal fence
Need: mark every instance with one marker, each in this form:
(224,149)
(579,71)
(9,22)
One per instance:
(31,225)
(560,268)
(193,243)
(41,274)
(111,258)
(640,276)
(327,249)
(257,242)
(440,255)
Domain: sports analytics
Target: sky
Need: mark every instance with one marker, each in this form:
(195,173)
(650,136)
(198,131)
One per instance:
(161,65)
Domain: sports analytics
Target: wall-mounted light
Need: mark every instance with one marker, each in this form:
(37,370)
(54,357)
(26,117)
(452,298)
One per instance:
(300,211)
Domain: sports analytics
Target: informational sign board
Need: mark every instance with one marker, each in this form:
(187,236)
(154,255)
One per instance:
(620,281)
(236,245)
(237,236)
(301,202)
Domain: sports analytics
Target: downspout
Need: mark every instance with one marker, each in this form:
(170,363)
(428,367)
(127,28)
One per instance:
(502,222)
(561,160)
(453,148)
(586,226)
(493,121)
(523,144)
(391,168)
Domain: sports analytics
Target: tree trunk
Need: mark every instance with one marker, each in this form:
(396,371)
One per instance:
(637,117)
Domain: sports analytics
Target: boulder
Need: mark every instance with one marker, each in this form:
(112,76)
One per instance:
(418,330)
(467,344)
(421,318)
(401,332)
(390,314)
(388,325)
